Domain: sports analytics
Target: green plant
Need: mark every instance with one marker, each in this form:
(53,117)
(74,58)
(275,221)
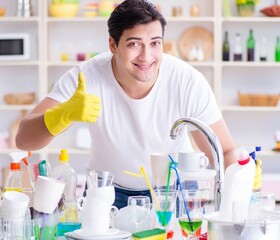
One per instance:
(246,2)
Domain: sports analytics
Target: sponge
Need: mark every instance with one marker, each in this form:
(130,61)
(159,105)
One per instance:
(153,234)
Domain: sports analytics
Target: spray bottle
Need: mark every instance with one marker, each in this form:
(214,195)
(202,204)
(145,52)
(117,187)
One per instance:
(14,179)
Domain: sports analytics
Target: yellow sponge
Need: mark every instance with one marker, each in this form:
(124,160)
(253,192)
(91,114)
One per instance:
(153,234)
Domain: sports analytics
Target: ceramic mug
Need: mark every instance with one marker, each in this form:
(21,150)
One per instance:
(95,216)
(192,161)
(160,166)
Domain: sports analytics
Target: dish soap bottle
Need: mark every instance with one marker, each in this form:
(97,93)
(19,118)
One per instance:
(14,179)
(236,195)
(64,172)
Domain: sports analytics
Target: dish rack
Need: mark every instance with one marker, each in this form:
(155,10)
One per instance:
(250,99)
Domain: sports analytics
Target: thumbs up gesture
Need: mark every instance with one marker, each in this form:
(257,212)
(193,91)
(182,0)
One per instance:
(81,107)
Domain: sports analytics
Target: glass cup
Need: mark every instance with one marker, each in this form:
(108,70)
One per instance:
(96,178)
(139,208)
(166,198)
(45,225)
(190,213)
(260,203)
(15,228)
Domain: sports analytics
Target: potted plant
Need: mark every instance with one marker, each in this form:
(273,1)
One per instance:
(246,8)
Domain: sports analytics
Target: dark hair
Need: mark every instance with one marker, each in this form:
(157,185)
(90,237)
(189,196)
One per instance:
(131,13)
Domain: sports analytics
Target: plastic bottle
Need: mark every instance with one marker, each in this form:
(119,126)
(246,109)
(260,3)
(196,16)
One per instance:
(14,179)
(236,195)
(64,172)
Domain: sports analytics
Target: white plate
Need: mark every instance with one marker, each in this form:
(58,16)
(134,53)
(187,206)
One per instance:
(112,233)
(198,175)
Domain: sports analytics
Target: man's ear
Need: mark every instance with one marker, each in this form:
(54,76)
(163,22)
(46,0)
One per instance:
(112,45)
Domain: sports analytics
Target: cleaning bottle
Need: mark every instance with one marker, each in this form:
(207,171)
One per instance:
(14,179)
(236,194)
(63,171)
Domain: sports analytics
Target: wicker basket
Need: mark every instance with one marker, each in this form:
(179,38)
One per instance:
(19,98)
(258,99)
(272,11)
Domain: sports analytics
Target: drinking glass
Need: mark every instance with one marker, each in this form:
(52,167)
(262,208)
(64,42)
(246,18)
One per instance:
(96,178)
(190,223)
(139,207)
(203,186)
(166,199)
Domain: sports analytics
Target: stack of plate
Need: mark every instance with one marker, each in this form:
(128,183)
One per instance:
(113,233)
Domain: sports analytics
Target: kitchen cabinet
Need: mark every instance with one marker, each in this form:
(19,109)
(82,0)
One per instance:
(52,37)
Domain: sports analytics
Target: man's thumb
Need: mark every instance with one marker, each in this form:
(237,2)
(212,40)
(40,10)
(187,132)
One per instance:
(81,82)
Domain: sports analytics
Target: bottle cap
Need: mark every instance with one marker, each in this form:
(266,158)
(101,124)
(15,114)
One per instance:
(17,158)
(243,156)
(63,157)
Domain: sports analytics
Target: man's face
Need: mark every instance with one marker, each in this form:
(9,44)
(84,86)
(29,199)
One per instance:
(139,53)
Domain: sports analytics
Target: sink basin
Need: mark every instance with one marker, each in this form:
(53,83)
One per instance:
(269,228)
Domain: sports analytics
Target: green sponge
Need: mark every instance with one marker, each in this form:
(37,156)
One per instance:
(153,234)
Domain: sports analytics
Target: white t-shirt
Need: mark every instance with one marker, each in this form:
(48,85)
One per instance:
(128,130)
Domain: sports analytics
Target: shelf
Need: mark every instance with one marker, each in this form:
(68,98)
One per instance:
(251,19)
(16,107)
(63,64)
(190,19)
(19,63)
(103,19)
(250,109)
(255,64)
(19,19)
(75,19)
(50,36)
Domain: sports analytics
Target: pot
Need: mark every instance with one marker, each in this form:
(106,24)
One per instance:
(268,228)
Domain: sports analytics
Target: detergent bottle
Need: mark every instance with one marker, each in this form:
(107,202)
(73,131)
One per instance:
(69,221)
(14,179)
(238,185)
(64,172)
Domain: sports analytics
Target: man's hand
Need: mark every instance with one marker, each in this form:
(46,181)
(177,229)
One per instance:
(258,176)
(81,107)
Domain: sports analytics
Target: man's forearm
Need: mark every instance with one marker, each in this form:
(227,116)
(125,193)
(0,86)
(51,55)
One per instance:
(33,134)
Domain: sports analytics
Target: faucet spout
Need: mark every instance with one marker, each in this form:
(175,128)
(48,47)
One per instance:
(216,150)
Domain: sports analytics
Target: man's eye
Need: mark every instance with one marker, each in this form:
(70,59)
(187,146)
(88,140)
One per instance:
(134,44)
(156,43)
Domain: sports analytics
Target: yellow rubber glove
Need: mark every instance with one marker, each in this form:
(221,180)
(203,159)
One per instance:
(258,176)
(81,107)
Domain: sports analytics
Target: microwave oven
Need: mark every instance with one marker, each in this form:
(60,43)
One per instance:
(14,46)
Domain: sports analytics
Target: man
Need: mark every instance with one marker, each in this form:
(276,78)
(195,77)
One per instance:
(130,98)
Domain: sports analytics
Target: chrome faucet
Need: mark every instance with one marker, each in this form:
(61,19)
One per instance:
(216,149)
